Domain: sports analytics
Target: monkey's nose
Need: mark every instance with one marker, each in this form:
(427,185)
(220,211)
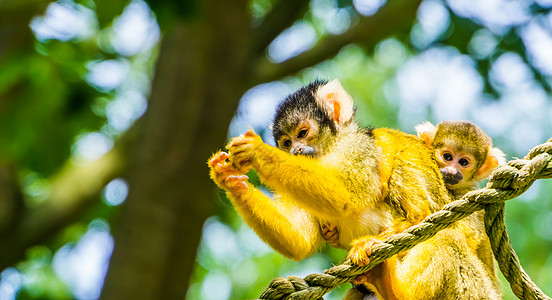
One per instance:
(304,150)
(451,175)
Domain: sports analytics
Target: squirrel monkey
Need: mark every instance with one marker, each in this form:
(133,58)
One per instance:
(465,156)
(369,183)
(464,152)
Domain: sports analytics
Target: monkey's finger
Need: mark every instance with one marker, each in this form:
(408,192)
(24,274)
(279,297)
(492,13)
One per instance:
(226,165)
(236,140)
(367,251)
(237,183)
(242,165)
(224,168)
(231,142)
(366,259)
(250,133)
(239,150)
(361,261)
(218,158)
(234,178)
(239,142)
(370,245)
(221,157)
(222,172)
(355,258)
(334,244)
(360,279)
(240,185)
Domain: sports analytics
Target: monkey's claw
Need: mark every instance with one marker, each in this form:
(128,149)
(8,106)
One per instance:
(225,175)
(217,158)
(242,150)
(361,250)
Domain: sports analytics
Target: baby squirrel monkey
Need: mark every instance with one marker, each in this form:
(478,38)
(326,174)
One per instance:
(369,183)
(464,152)
(465,156)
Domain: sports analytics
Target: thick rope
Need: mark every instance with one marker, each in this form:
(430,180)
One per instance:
(506,183)
(508,262)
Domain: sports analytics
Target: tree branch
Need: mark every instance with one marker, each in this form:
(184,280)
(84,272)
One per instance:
(282,16)
(395,16)
(11,199)
(74,189)
(15,17)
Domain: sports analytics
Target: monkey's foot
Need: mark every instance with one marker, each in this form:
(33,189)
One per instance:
(227,176)
(330,234)
(361,250)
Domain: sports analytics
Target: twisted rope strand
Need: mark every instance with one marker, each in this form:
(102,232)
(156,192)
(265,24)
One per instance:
(507,182)
(508,261)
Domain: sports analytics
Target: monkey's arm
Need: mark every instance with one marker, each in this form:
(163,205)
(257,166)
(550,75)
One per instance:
(314,187)
(286,228)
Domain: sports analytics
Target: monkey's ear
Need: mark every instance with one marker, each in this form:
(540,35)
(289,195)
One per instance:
(426,132)
(499,155)
(495,158)
(336,101)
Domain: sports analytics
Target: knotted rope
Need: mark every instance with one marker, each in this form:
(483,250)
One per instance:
(506,182)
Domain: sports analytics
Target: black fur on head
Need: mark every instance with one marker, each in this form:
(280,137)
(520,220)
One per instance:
(298,106)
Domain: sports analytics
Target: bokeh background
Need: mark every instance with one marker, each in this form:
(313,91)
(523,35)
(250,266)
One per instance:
(109,110)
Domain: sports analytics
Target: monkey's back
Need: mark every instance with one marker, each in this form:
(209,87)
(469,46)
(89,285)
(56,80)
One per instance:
(390,174)
(411,173)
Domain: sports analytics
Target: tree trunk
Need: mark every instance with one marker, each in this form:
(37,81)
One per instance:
(198,82)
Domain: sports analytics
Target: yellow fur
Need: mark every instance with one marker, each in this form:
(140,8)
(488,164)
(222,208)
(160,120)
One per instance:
(369,184)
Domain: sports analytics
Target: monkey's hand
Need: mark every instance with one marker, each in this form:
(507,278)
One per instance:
(226,176)
(242,150)
(361,249)
(330,234)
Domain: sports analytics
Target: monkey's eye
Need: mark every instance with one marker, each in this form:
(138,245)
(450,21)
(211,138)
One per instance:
(302,133)
(287,143)
(463,162)
(447,156)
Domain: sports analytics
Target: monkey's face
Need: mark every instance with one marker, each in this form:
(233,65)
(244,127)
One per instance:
(457,167)
(305,122)
(306,138)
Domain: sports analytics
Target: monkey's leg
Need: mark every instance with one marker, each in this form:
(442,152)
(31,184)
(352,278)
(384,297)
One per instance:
(443,267)
(330,234)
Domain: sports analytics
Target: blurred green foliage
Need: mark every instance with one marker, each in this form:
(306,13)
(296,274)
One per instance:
(46,102)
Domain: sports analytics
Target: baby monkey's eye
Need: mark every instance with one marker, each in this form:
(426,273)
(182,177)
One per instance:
(287,143)
(302,133)
(463,162)
(447,156)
